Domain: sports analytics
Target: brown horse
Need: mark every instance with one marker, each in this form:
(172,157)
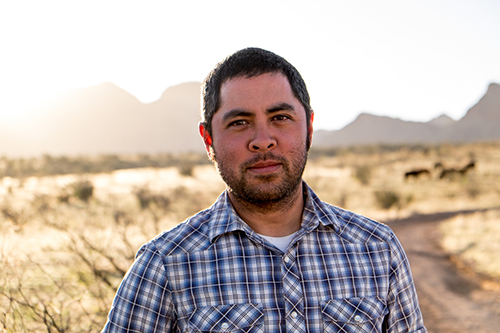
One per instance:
(452,173)
(417,173)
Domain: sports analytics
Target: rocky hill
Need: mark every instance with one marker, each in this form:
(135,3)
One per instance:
(107,119)
(481,123)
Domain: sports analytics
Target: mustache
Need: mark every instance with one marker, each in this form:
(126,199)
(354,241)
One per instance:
(265,157)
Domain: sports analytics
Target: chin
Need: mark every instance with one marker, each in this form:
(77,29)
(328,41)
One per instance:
(265,194)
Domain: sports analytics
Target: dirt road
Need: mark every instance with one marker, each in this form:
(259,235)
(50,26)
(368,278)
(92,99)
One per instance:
(452,299)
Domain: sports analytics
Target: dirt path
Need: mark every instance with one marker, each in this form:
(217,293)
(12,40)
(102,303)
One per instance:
(452,300)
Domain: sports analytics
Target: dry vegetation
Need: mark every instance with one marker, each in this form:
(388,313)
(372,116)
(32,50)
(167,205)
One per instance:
(372,180)
(68,236)
(474,241)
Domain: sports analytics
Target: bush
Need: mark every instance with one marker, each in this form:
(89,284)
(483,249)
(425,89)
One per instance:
(472,189)
(363,174)
(386,198)
(83,190)
(147,198)
(186,169)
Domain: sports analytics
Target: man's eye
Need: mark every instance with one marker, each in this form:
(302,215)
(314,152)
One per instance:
(281,117)
(237,123)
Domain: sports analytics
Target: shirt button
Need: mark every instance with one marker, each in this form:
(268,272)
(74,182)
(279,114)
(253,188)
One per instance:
(294,314)
(224,326)
(357,318)
(287,260)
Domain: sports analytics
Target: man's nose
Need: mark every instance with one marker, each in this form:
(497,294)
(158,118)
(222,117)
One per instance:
(263,140)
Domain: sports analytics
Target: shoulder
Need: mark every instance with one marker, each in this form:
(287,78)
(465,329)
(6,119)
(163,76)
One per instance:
(352,227)
(356,228)
(188,236)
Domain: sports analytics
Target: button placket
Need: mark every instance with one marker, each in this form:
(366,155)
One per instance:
(293,293)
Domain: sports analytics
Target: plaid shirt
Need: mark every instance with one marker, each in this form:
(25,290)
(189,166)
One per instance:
(341,273)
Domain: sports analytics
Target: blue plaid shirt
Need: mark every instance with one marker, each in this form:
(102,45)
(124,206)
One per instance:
(341,273)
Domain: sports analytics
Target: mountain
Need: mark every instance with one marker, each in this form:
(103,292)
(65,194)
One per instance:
(442,121)
(106,119)
(367,128)
(481,123)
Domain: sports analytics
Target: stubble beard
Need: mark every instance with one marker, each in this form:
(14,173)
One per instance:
(264,191)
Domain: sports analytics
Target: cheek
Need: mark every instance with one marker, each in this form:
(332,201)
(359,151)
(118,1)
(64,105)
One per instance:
(295,142)
(229,144)
(227,150)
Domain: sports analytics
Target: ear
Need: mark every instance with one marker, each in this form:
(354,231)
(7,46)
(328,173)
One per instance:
(207,139)
(310,128)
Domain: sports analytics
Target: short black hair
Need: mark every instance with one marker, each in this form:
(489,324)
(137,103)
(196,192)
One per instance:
(249,62)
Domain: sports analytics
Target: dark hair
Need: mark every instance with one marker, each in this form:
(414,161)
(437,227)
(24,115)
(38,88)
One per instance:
(249,62)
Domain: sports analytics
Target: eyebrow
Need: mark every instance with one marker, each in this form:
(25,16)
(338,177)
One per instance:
(281,107)
(235,113)
(244,113)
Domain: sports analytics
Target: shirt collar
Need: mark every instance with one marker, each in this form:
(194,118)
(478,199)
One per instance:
(224,218)
(316,211)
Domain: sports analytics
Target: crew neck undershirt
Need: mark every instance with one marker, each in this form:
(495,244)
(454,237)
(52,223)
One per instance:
(280,242)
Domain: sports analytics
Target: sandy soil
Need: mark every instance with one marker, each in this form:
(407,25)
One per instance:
(452,298)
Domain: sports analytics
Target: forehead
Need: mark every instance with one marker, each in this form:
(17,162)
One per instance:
(255,91)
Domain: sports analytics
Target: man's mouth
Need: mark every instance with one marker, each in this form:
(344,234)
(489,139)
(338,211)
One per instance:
(265,167)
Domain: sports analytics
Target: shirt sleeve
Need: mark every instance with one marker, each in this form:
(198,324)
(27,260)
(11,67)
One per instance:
(404,311)
(143,302)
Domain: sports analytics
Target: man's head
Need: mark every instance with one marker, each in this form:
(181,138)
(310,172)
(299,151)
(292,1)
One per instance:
(250,62)
(257,127)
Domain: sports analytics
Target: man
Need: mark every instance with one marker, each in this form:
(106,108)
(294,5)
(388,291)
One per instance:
(268,256)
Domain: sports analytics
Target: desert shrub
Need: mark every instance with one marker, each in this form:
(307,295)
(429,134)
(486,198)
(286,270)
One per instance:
(186,168)
(48,305)
(472,187)
(143,196)
(83,189)
(147,198)
(63,196)
(67,283)
(409,198)
(19,217)
(41,203)
(363,173)
(472,190)
(387,198)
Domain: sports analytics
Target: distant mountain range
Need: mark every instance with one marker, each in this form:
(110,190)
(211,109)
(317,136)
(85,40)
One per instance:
(481,123)
(107,119)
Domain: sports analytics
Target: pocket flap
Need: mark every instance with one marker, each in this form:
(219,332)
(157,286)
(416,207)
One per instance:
(226,318)
(358,310)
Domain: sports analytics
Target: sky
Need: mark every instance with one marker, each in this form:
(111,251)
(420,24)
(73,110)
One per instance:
(413,60)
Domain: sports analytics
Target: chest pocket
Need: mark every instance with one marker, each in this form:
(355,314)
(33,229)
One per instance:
(228,318)
(360,314)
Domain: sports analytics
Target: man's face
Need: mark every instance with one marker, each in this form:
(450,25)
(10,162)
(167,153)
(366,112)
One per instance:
(259,138)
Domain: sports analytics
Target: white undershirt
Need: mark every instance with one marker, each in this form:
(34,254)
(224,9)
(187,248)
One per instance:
(280,242)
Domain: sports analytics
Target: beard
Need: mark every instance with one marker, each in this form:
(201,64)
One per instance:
(263,190)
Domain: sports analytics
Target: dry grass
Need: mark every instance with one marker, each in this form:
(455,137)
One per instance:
(62,255)
(475,241)
(62,258)
(335,180)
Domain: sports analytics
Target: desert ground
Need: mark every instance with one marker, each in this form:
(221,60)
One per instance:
(68,239)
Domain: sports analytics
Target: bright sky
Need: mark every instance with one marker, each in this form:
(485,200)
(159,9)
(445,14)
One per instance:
(408,59)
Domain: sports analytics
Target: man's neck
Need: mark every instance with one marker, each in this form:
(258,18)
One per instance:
(275,219)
